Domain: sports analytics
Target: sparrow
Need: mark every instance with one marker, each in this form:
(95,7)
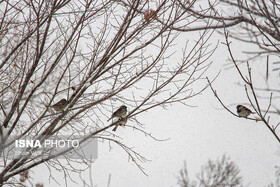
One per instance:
(121,122)
(60,105)
(120,113)
(149,15)
(243,111)
(146,16)
(153,14)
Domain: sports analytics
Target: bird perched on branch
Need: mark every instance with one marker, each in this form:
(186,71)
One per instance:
(243,111)
(149,15)
(121,122)
(120,113)
(60,105)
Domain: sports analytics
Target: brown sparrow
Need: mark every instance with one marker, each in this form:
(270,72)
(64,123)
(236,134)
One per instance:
(60,105)
(120,113)
(149,15)
(243,111)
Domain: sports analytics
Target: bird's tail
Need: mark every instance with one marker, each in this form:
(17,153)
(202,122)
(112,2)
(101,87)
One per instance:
(115,128)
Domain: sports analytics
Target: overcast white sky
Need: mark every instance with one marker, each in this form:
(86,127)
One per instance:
(195,135)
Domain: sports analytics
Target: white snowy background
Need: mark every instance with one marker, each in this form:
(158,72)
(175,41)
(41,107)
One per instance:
(195,134)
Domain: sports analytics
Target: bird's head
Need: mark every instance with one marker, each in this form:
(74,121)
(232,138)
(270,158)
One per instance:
(124,107)
(239,106)
(63,101)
